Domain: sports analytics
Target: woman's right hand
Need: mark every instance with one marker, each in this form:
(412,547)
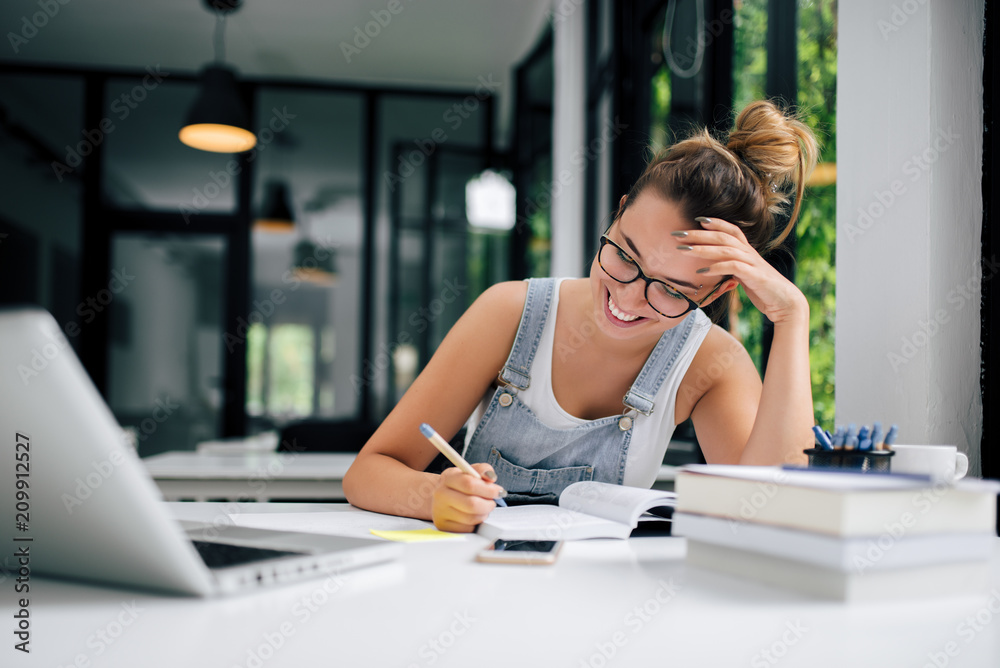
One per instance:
(461,501)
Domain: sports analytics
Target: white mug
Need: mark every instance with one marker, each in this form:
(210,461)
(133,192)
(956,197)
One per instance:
(941,462)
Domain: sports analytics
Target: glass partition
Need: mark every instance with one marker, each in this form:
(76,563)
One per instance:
(304,347)
(166,338)
(41,221)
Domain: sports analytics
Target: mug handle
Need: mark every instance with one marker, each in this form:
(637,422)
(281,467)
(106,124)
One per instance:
(961,465)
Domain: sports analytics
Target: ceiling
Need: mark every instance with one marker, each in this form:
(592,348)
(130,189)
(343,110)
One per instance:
(414,43)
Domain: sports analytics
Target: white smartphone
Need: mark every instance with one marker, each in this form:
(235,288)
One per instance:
(521,552)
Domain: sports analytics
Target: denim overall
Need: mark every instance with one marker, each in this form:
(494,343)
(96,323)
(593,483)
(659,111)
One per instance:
(535,462)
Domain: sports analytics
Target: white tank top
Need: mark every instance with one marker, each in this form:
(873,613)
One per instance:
(652,434)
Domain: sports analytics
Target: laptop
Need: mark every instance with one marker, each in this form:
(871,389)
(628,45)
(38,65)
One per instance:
(81,505)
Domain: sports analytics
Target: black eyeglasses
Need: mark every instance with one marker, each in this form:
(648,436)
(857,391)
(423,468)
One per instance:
(665,299)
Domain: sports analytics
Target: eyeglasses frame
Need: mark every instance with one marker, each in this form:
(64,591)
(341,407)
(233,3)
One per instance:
(692,305)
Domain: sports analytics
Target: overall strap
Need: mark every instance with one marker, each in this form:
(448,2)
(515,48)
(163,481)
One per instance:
(517,371)
(640,396)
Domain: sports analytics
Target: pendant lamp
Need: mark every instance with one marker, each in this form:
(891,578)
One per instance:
(313,263)
(218,121)
(276,214)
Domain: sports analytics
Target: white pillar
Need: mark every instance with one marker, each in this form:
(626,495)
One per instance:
(909,217)
(568,138)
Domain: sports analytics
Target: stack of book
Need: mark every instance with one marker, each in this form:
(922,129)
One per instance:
(842,535)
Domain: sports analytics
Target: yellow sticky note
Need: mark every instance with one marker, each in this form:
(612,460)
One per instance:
(413,536)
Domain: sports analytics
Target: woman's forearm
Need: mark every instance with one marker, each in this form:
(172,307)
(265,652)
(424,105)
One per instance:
(781,430)
(382,484)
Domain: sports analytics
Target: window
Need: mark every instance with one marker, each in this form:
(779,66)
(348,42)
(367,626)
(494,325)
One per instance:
(815,44)
(41,228)
(752,49)
(815,84)
(306,274)
(817,228)
(532,156)
(281,366)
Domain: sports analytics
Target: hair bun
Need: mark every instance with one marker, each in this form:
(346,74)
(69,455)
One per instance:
(778,148)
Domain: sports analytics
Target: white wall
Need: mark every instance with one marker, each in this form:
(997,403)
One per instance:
(909,214)
(569,104)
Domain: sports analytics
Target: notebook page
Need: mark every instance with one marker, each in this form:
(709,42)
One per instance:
(541,520)
(615,502)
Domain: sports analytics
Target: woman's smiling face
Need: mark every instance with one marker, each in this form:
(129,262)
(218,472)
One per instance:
(644,232)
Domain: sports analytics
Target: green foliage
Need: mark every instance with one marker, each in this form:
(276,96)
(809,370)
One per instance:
(540,219)
(816,234)
(659,102)
(749,52)
(256,341)
(749,74)
(287,352)
(817,231)
(291,370)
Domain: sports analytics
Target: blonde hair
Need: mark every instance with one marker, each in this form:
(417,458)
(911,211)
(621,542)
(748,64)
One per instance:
(747,181)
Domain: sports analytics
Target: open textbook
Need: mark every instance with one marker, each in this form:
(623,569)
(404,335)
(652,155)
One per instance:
(586,509)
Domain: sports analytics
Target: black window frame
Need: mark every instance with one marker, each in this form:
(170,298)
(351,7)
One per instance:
(101,219)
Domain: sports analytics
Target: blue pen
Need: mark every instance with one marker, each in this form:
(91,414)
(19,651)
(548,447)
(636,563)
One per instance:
(838,436)
(877,436)
(445,448)
(862,433)
(821,438)
(851,439)
(890,438)
(865,444)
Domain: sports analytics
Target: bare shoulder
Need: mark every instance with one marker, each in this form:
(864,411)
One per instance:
(720,361)
(723,349)
(505,300)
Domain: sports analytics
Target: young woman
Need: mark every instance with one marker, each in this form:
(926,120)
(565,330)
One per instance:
(542,366)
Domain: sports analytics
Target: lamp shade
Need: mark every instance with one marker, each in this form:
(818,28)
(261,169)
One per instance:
(218,121)
(276,214)
(313,263)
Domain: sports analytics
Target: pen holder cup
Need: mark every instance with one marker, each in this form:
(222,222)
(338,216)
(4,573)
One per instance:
(861,461)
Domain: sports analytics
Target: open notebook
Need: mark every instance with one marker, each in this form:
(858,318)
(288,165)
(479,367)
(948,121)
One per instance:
(586,510)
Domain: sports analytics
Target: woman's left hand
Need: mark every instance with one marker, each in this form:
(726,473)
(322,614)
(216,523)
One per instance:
(725,246)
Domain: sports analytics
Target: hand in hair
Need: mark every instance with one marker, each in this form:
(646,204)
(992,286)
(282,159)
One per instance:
(725,245)
(784,411)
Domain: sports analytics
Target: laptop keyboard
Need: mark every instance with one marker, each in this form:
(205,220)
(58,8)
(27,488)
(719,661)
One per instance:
(220,555)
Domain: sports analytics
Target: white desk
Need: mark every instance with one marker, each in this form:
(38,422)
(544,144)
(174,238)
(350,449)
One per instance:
(437,607)
(260,476)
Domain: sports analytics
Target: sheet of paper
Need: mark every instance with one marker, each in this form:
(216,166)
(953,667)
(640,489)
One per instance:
(542,518)
(356,523)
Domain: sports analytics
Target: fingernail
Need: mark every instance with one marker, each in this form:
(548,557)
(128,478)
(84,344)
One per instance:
(679,233)
(502,494)
(703,270)
(703,219)
(491,476)
(685,248)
